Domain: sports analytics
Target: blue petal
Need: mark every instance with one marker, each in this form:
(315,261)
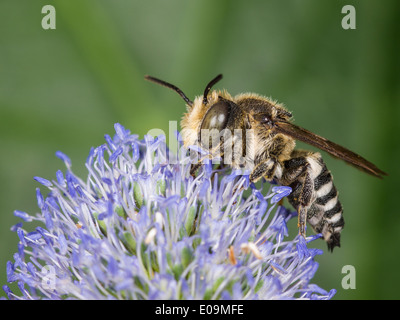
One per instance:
(23,215)
(116,154)
(204,188)
(278,268)
(60,178)
(16,226)
(110,142)
(43,181)
(331,293)
(135,152)
(48,220)
(258,194)
(107,181)
(89,159)
(70,184)
(112,267)
(314,237)
(64,158)
(33,235)
(10,271)
(31,268)
(63,244)
(302,249)
(40,199)
(21,236)
(46,238)
(121,131)
(282,192)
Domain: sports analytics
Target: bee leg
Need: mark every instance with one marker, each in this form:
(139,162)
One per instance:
(217,151)
(305,198)
(193,168)
(264,169)
(219,167)
(269,169)
(297,176)
(301,221)
(236,189)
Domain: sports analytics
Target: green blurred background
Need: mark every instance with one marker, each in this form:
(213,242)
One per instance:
(64,89)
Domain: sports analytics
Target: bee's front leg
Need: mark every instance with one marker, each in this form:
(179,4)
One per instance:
(264,169)
(269,169)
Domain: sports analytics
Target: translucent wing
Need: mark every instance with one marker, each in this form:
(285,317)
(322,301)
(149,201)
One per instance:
(334,149)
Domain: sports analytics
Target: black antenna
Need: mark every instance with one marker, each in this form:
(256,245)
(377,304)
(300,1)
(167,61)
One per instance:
(209,86)
(171,86)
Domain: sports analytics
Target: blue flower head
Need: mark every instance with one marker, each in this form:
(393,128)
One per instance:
(139,226)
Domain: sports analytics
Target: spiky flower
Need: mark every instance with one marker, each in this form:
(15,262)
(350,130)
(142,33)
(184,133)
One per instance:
(141,227)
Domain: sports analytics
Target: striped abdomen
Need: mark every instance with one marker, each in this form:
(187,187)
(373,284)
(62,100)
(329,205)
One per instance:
(313,189)
(326,214)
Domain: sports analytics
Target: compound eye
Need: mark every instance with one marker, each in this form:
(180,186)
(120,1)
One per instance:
(217,116)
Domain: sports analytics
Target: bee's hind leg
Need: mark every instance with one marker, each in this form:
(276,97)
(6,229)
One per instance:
(297,176)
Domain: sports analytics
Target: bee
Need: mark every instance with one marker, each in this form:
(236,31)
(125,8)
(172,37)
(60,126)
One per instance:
(270,152)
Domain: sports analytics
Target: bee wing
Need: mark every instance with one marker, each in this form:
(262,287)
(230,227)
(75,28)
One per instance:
(332,148)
